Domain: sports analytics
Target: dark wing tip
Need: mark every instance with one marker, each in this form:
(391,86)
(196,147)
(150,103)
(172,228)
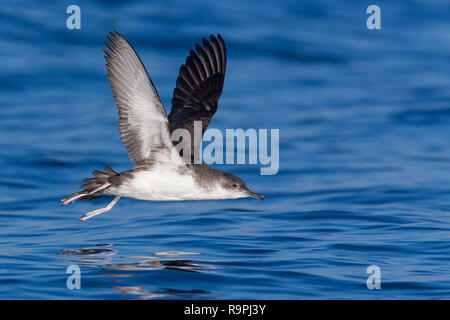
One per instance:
(114,37)
(217,37)
(115,33)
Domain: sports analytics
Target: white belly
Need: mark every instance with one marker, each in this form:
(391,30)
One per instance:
(161,185)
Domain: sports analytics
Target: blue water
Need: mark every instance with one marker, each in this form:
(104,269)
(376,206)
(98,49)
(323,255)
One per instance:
(364,178)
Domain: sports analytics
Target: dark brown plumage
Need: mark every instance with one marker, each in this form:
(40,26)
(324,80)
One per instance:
(198,88)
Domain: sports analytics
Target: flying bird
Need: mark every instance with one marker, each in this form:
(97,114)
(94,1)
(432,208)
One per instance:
(160,172)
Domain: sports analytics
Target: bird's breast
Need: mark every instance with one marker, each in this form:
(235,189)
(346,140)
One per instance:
(162,185)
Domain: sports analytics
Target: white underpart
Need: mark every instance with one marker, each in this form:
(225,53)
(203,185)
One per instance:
(166,184)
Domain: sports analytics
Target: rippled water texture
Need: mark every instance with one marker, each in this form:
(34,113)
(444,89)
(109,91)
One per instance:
(364,178)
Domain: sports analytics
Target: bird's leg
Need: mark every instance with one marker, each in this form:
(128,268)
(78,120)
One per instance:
(99,211)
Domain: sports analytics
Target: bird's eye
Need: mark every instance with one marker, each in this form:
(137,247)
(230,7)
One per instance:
(234,185)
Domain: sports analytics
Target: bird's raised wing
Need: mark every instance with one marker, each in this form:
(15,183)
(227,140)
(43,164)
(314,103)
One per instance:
(143,122)
(198,89)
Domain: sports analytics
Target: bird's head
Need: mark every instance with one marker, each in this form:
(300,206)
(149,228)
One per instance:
(235,187)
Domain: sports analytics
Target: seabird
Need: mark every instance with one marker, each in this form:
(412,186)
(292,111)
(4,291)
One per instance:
(160,172)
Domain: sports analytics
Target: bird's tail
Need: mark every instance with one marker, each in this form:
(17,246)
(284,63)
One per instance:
(94,188)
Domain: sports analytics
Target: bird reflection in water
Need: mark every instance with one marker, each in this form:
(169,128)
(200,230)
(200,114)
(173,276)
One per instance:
(101,256)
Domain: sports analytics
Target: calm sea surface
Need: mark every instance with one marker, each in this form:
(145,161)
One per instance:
(364,179)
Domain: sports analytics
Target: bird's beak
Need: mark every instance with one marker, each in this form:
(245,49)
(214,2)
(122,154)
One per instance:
(255,195)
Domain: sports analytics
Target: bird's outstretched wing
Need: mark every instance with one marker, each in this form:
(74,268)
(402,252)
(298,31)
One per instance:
(198,89)
(143,122)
